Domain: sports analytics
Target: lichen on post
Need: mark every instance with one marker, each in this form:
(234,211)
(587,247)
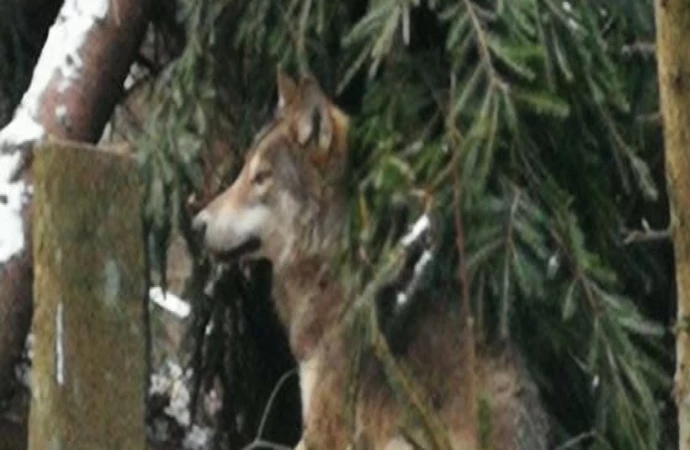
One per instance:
(89,371)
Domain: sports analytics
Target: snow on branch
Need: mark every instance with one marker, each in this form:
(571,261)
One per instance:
(420,226)
(170,302)
(60,56)
(13,196)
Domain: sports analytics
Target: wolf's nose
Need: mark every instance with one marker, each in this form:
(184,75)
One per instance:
(200,223)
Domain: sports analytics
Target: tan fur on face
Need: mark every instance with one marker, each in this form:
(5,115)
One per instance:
(296,209)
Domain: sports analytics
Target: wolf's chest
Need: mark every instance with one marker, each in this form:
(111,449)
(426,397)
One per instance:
(308,373)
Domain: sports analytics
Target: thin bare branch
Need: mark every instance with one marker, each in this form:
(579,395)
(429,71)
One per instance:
(635,236)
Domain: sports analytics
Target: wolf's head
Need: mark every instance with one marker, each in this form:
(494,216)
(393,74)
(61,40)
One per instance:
(286,197)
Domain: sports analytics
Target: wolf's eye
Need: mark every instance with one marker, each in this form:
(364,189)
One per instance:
(261,176)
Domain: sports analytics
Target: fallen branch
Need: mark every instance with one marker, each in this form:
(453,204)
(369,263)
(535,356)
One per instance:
(647,236)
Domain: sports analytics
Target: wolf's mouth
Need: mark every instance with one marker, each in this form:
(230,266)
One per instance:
(247,247)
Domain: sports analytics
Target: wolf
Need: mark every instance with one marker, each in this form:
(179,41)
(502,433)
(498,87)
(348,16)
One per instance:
(287,205)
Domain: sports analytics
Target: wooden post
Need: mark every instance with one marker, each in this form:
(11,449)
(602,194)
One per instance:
(89,367)
(673,56)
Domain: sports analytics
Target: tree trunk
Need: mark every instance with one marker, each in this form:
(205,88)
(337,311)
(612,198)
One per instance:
(89,371)
(75,85)
(673,53)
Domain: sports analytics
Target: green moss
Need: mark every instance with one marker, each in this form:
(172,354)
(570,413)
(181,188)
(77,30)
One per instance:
(89,356)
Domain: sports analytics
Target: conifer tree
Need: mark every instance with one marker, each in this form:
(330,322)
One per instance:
(532,121)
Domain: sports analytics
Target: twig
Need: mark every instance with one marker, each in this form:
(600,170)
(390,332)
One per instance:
(258,442)
(483,46)
(620,147)
(577,272)
(647,236)
(639,48)
(510,247)
(575,440)
(653,118)
(465,310)
(271,399)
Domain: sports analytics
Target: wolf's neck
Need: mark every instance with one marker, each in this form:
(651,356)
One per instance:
(309,301)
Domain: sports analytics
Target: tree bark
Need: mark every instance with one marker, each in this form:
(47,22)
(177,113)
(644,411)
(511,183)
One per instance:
(75,86)
(89,366)
(673,54)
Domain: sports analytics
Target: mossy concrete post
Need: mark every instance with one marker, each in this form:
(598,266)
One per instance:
(89,369)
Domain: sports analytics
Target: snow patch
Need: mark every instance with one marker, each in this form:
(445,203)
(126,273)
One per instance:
(107,134)
(159,384)
(422,263)
(96,9)
(180,399)
(29,346)
(422,224)
(552,266)
(13,196)
(172,383)
(136,73)
(573,24)
(59,347)
(198,438)
(9,165)
(61,113)
(170,302)
(22,370)
(60,54)
(419,268)
(22,130)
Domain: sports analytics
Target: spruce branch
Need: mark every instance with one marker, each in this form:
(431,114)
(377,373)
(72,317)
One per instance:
(483,46)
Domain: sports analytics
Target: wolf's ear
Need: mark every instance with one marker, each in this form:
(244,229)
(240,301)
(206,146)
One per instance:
(314,120)
(287,88)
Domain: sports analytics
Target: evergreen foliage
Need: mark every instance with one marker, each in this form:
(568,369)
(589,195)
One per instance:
(536,111)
